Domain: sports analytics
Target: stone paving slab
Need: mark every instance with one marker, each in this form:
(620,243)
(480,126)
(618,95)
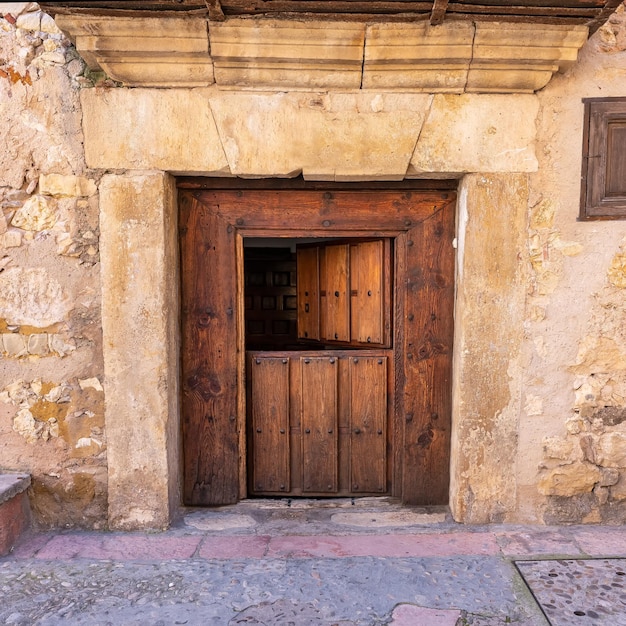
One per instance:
(385,545)
(603,541)
(118,547)
(353,590)
(585,592)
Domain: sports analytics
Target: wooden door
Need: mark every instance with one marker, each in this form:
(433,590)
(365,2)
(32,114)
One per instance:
(318,422)
(414,461)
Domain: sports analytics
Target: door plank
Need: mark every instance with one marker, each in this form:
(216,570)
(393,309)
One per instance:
(335,283)
(308,292)
(209,356)
(366,285)
(368,428)
(269,424)
(319,424)
(428,359)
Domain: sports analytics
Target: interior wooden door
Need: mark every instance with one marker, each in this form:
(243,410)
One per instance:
(413,461)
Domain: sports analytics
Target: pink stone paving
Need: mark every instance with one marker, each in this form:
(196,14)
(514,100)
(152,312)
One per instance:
(602,541)
(410,615)
(525,544)
(426,545)
(30,545)
(119,547)
(233,547)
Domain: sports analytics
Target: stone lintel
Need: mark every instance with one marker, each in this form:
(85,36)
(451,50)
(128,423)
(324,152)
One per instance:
(354,136)
(262,54)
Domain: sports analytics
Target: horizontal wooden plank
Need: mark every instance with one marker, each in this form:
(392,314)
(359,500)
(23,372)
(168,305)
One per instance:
(356,212)
(294,184)
(536,11)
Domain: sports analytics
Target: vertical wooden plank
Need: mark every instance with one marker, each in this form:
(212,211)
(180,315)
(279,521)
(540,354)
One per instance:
(343,422)
(398,413)
(336,316)
(209,355)
(428,353)
(295,423)
(366,285)
(241,367)
(319,424)
(269,427)
(368,428)
(308,293)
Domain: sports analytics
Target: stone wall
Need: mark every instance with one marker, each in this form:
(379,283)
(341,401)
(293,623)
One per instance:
(51,396)
(539,430)
(573,426)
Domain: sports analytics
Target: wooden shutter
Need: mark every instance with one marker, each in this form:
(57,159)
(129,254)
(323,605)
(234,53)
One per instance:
(353,283)
(603,192)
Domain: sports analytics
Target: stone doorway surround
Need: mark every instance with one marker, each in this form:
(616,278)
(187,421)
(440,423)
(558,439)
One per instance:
(343,117)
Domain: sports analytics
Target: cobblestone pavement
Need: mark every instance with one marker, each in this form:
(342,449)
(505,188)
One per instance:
(269,563)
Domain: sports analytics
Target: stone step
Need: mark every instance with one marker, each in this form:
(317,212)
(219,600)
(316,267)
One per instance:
(14,509)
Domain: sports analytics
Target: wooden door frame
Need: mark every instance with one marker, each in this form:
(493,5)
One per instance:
(214,219)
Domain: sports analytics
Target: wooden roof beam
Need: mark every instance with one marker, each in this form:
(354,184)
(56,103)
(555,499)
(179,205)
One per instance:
(438,12)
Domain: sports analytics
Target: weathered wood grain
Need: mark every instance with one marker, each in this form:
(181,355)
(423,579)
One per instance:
(209,356)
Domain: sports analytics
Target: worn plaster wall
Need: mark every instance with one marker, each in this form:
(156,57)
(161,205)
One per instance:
(572,434)
(51,396)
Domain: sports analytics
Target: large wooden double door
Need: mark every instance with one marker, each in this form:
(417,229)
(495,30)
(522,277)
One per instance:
(360,405)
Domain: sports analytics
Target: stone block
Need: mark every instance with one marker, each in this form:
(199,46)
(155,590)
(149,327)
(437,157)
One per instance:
(12,239)
(287,53)
(36,214)
(418,56)
(147,52)
(38,344)
(59,346)
(14,344)
(611,450)
(557,448)
(14,509)
(66,186)
(472,133)
(518,58)
(33,297)
(610,477)
(326,137)
(570,480)
(138,221)
(171,130)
